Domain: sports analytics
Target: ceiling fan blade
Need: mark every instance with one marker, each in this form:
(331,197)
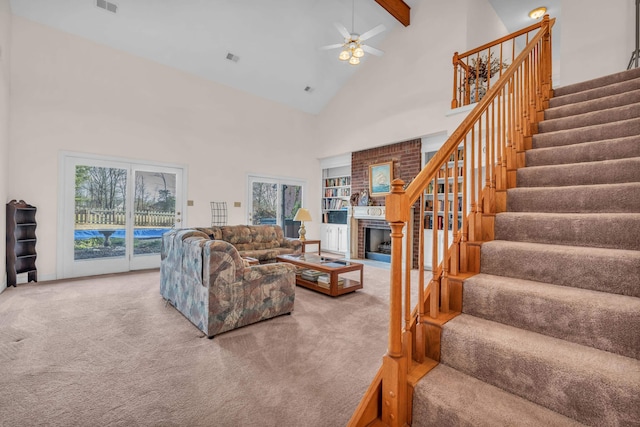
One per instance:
(332,46)
(342,30)
(372,32)
(372,50)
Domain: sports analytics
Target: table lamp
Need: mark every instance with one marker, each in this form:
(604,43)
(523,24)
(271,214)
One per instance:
(302,215)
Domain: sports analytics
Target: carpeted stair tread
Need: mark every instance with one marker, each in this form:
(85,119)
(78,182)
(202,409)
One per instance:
(599,230)
(599,82)
(587,173)
(619,129)
(601,320)
(449,398)
(606,102)
(553,317)
(597,198)
(592,386)
(609,149)
(591,118)
(599,269)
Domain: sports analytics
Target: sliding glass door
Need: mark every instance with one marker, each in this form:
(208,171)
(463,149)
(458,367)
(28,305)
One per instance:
(275,201)
(114,214)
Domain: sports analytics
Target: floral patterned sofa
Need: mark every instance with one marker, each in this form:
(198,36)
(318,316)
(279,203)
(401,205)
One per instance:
(212,286)
(262,242)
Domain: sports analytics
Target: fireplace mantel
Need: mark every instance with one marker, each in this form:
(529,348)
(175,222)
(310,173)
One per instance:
(369,212)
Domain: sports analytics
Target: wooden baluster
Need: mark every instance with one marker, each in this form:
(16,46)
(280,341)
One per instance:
(501,199)
(531,103)
(511,158)
(546,61)
(455,238)
(444,293)
(407,339)
(407,275)
(501,59)
(464,237)
(503,140)
(488,69)
(467,88)
(434,285)
(420,327)
(477,72)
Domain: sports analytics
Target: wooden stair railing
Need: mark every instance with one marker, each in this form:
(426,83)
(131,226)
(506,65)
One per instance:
(485,151)
(476,70)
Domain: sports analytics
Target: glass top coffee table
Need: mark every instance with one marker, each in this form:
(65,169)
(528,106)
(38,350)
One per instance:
(323,274)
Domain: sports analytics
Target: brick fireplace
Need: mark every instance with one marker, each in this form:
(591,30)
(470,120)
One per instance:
(406,158)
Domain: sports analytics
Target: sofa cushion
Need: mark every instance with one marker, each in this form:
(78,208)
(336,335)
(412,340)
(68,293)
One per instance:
(261,254)
(263,242)
(214,233)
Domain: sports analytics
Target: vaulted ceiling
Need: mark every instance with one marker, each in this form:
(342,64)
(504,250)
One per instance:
(275,42)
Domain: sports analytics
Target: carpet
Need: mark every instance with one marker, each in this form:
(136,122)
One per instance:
(107,350)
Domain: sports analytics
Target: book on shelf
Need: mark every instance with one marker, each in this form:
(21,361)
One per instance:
(337,182)
(334,204)
(337,192)
(324,281)
(428,222)
(311,275)
(439,205)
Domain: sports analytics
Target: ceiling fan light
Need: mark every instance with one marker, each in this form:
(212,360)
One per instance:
(344,55)
(354,60)
(358,52)
(537,13)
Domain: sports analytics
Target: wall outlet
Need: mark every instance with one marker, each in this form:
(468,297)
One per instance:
(236,204)
(189,202)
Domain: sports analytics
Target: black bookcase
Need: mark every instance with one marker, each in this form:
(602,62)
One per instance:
(21,241)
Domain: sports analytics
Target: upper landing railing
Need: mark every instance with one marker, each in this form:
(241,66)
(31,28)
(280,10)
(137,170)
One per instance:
(459,191)
(475,71)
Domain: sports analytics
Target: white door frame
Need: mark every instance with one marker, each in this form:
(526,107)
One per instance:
(66,197)
(279,181)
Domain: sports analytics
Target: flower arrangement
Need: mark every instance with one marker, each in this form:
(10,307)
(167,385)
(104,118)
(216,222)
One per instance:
(479,72)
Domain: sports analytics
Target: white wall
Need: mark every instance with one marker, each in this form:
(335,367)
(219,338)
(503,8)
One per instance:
(406,93)
(70,94)
(5,33)
(597,38)
(483,25)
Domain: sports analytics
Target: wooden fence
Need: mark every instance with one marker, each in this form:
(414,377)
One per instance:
(118,217)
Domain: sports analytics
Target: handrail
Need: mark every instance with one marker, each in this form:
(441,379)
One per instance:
(470,68)
(460,190)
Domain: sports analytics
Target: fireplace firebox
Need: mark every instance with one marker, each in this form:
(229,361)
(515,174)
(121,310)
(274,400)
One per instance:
(377,243)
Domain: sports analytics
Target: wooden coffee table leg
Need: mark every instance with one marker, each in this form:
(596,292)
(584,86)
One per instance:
(334,282)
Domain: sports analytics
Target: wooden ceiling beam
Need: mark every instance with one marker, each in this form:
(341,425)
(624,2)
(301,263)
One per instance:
(398,9)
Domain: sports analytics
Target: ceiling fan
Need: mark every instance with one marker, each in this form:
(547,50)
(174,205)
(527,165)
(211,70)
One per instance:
(353,47)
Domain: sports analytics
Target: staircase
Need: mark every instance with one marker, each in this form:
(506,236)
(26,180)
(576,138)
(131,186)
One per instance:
(550,329)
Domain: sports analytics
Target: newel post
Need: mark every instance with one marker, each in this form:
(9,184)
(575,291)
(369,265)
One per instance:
(394,363)
(454,100)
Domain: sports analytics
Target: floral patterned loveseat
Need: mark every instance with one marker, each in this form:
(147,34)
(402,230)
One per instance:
(213,287)
(263,242)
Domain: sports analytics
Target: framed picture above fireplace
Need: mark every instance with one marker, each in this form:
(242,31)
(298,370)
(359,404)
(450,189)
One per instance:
(380,176)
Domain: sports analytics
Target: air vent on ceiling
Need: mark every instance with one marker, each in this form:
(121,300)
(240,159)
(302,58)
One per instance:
(106,5)
(232,57)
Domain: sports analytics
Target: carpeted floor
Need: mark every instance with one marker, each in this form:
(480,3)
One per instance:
(108,351)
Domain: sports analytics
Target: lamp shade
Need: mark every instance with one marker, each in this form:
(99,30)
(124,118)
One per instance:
(302,215)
